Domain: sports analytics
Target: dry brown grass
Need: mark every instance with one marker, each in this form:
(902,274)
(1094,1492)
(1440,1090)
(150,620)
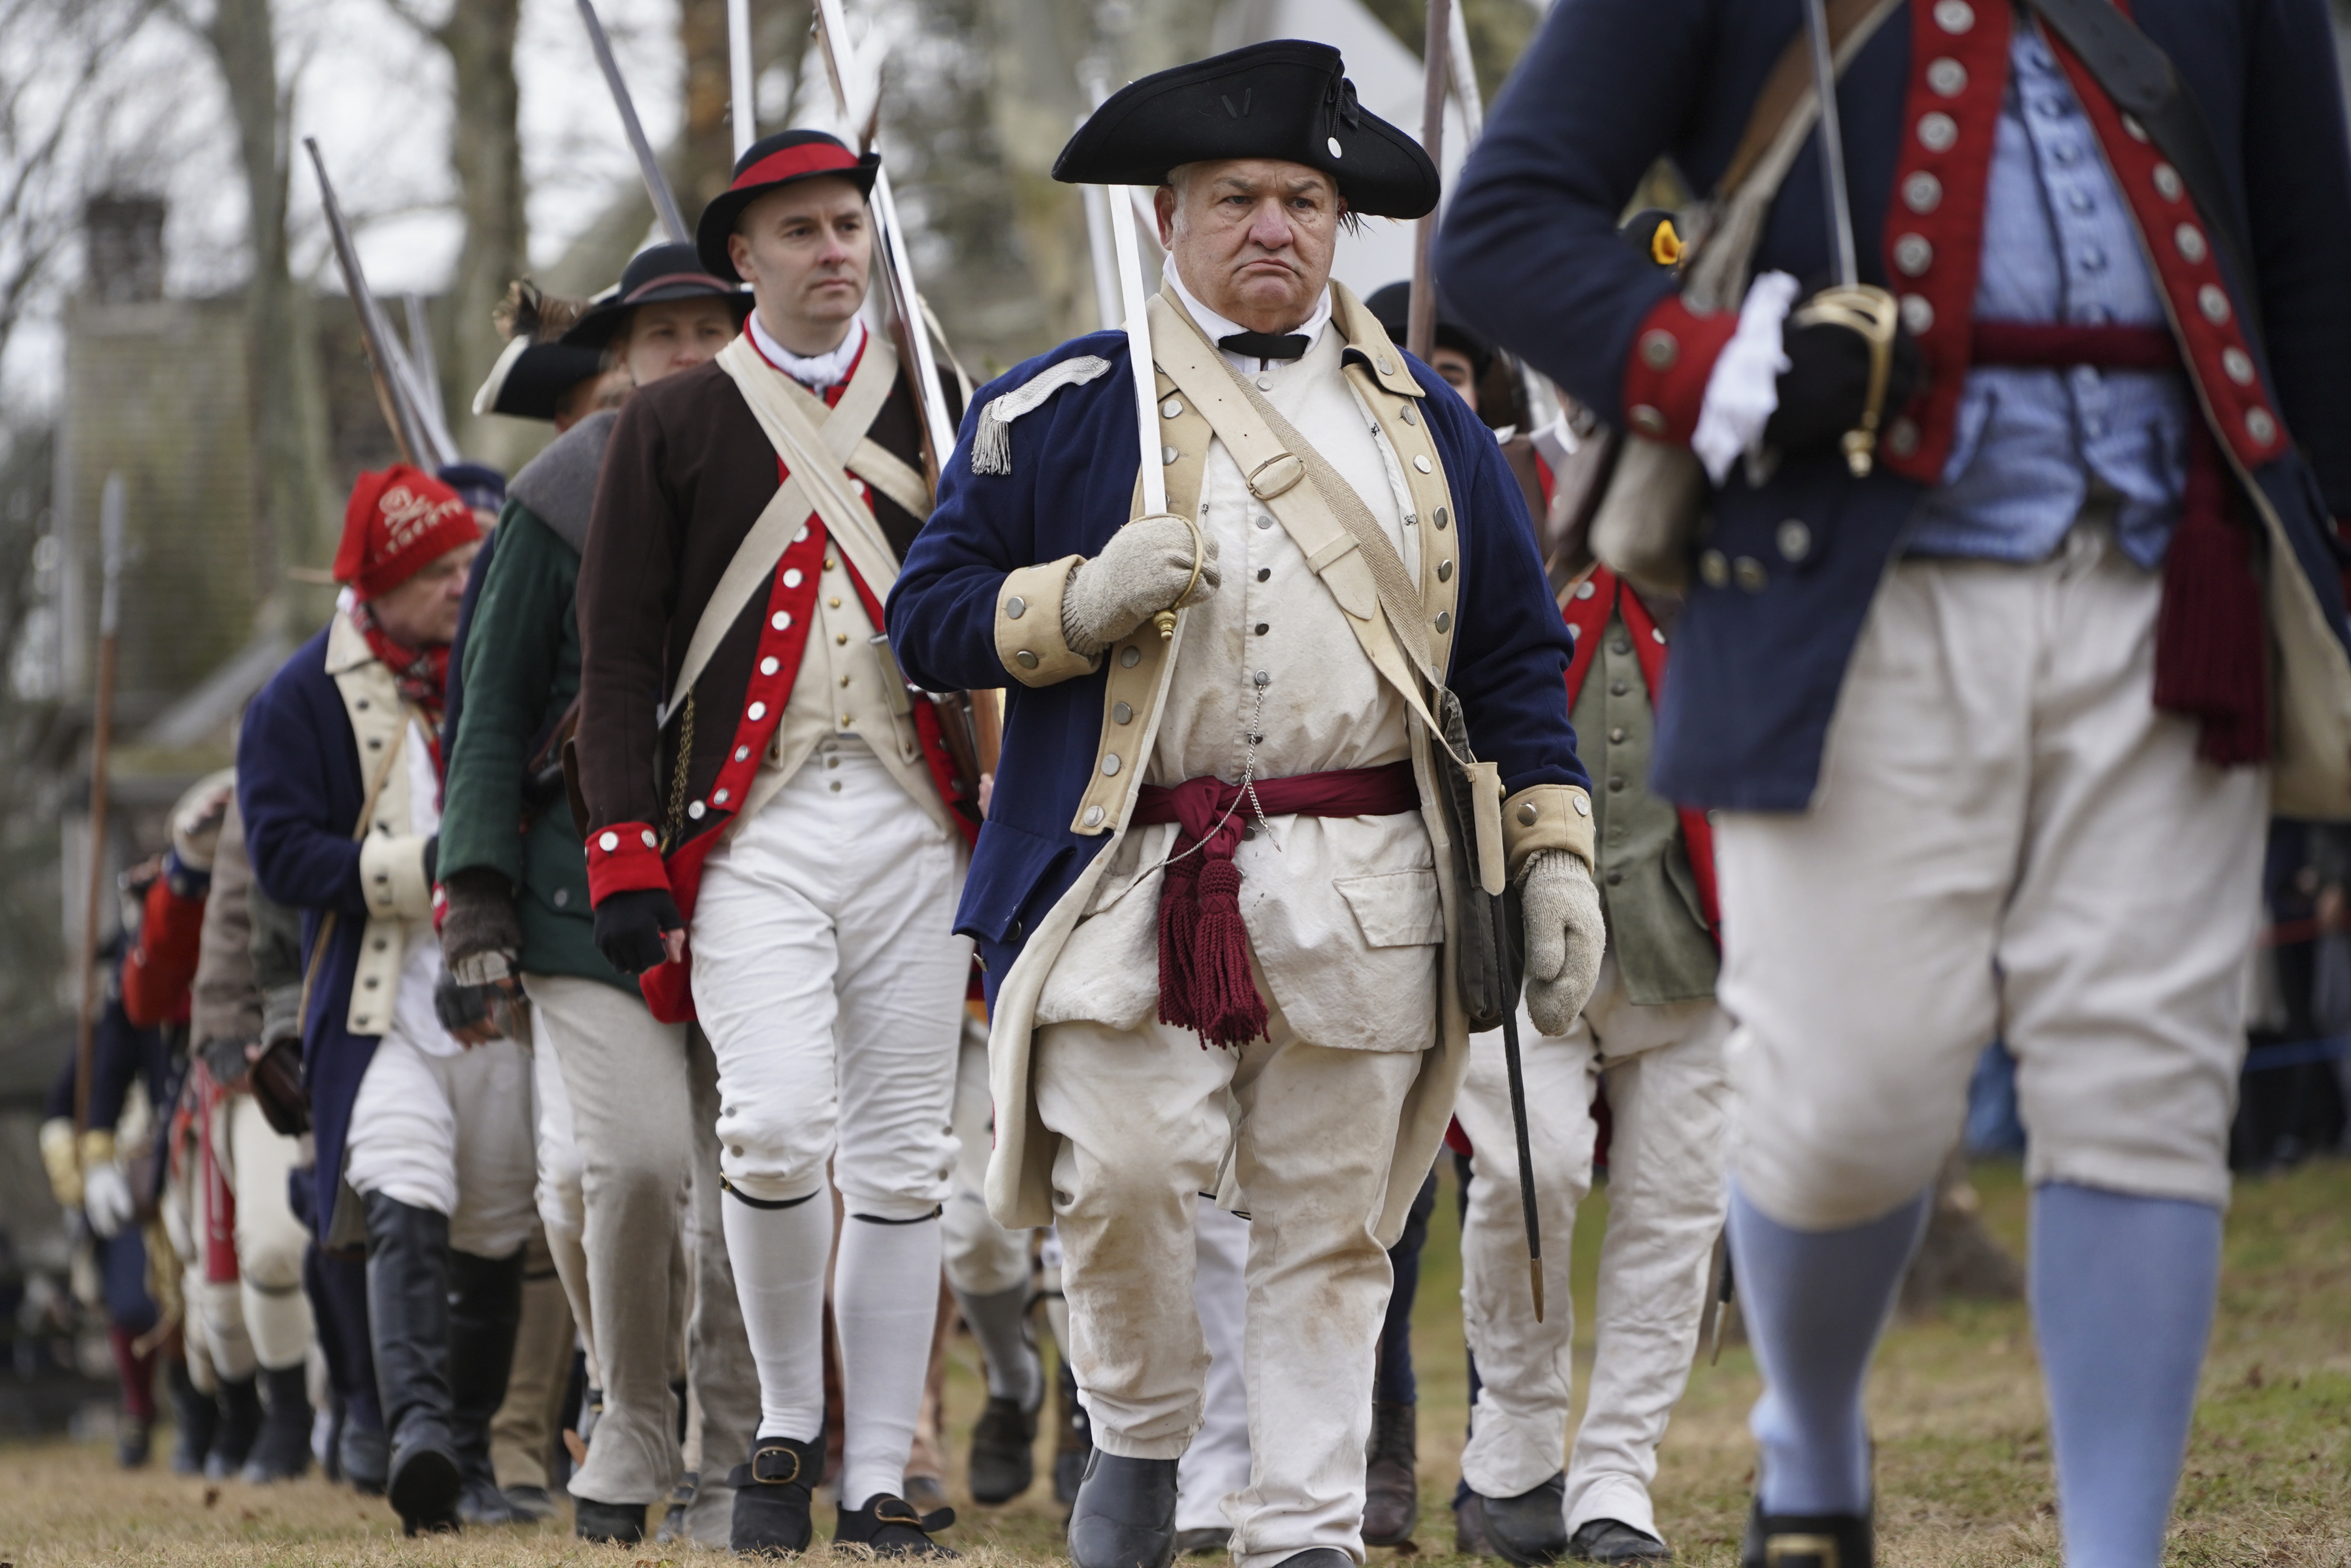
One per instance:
(1962,1441)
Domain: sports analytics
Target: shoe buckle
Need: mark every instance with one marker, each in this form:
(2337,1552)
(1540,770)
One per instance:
(785,1468)
(1800,1551)
(896,1510)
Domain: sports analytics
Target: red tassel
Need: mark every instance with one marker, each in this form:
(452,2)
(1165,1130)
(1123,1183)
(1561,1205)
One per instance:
(1226,1004)
(1179,918)
(2212,656)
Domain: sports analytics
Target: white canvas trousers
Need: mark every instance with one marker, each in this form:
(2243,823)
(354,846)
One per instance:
(270,1242)
(982,1257)
(451,1133)
(632,1087)
(1662,1068)
(1147,1118)
(828,977)
(1217,1464)
(2008,840)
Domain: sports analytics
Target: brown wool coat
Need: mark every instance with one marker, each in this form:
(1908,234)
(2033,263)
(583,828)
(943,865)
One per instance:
(688,471)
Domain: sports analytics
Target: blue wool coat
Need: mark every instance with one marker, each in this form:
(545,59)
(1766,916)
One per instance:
(299,791)
(1070,488)
(1528,253)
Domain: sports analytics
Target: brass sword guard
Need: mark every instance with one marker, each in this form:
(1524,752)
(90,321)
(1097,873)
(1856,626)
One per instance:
(1165,620)
(1871,312)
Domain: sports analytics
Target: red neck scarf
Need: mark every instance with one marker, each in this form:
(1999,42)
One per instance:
(422,674)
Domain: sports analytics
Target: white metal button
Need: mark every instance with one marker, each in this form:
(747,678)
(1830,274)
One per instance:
(1794,540)
(1922,193)
(1025,659)
(792,577)
(757,712)
(2167,183)
(1110,764)
(695,810)
(1947,77)
(768,666)
(2239,364)
(1016,607)
(1917,314)
(1421,462)
(2213,300)
(1954,16)
(1168,454)
(1332,144)
(1913,253)
(1172,407)
(651,841)
(1265,383)
(1938,132)
(607,842)
(1093,816)
(2260,426)
(742,753)
(1128,656)
(781,621)
(1585,591)
(2190,241)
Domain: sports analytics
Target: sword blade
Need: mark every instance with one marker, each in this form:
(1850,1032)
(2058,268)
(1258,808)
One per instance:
(1139,361)
(672,222)
(383,352)
(1816,22)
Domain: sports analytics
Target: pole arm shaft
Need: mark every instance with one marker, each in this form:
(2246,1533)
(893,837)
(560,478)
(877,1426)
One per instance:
(649,167)
(1436,51)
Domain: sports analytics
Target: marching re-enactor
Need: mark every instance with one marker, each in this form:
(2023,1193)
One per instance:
(1993,732)
(1216,890)
(734,568)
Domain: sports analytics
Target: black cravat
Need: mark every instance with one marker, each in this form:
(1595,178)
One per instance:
(1266,345)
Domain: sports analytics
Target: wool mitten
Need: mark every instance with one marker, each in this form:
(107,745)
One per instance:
(1139,573)
(1565,937)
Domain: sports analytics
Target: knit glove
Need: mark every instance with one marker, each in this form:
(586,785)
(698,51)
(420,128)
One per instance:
(480,937)
(1138,574)
(1565,936)
(633,928)
(1826,385)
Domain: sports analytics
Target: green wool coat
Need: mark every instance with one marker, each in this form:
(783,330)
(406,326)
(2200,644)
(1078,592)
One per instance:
(521,671)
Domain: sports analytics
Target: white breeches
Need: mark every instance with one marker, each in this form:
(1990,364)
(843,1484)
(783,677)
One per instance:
(270,1242)
(2008,840)
(451,1133)
(1662,1070)
(1146,1119)
(983,1258)
(828,980)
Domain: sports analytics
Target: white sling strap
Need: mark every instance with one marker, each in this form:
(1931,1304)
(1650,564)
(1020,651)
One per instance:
(814,482)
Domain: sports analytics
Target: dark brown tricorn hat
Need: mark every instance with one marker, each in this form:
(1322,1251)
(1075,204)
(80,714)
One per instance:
(1287,99)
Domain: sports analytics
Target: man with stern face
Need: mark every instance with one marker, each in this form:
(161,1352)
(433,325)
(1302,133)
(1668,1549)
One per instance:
(778,853)
(1217,897)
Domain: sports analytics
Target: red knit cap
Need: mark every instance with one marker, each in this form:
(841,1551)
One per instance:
(398,521)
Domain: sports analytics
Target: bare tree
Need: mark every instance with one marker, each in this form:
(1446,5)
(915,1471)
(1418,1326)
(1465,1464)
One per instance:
(293,490)
(485,150)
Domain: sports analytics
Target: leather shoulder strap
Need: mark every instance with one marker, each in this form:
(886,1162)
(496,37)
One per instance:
(1787,93)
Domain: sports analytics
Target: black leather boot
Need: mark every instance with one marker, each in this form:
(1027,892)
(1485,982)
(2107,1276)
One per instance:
(1531,1527)
(484,1311)
(891,1527)
(1126,1513)
(771,1497)
(194,1418)
(1807,1539)
(239,1427)
(608,1524)
(282,1452)
(1392,1474)
(1003,1450)
(1613,1540)
(408,1320)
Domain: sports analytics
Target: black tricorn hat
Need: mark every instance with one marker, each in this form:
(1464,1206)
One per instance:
(655,274)
(1287,99)
(530,379)
(768,164)
(1391,307)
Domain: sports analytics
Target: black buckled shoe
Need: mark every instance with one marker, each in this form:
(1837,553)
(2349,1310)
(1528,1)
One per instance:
(1807,1539)
(608,1523)
(1613,1540)
(1126,1513)
(1531,1527)
(1003,1450)
(890,1526)
(1392,1476)
(771,1497)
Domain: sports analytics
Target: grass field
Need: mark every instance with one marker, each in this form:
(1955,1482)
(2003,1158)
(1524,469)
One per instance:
(1963,1466)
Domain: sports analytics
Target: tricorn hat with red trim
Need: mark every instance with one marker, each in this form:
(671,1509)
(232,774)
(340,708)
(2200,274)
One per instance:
(1284,98)
(769,164)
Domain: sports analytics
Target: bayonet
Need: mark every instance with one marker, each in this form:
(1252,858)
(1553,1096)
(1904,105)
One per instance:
(415,439)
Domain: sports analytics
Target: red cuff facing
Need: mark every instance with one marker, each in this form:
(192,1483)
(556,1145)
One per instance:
(623,857)
(1666,375)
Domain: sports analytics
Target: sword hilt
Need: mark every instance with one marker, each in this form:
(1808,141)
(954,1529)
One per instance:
(1871,312)
(1165,620)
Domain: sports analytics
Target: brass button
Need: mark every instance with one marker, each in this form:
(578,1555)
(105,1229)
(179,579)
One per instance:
(1749,573)
(841,638)
(829,563)
(834,602)
(1714,569)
